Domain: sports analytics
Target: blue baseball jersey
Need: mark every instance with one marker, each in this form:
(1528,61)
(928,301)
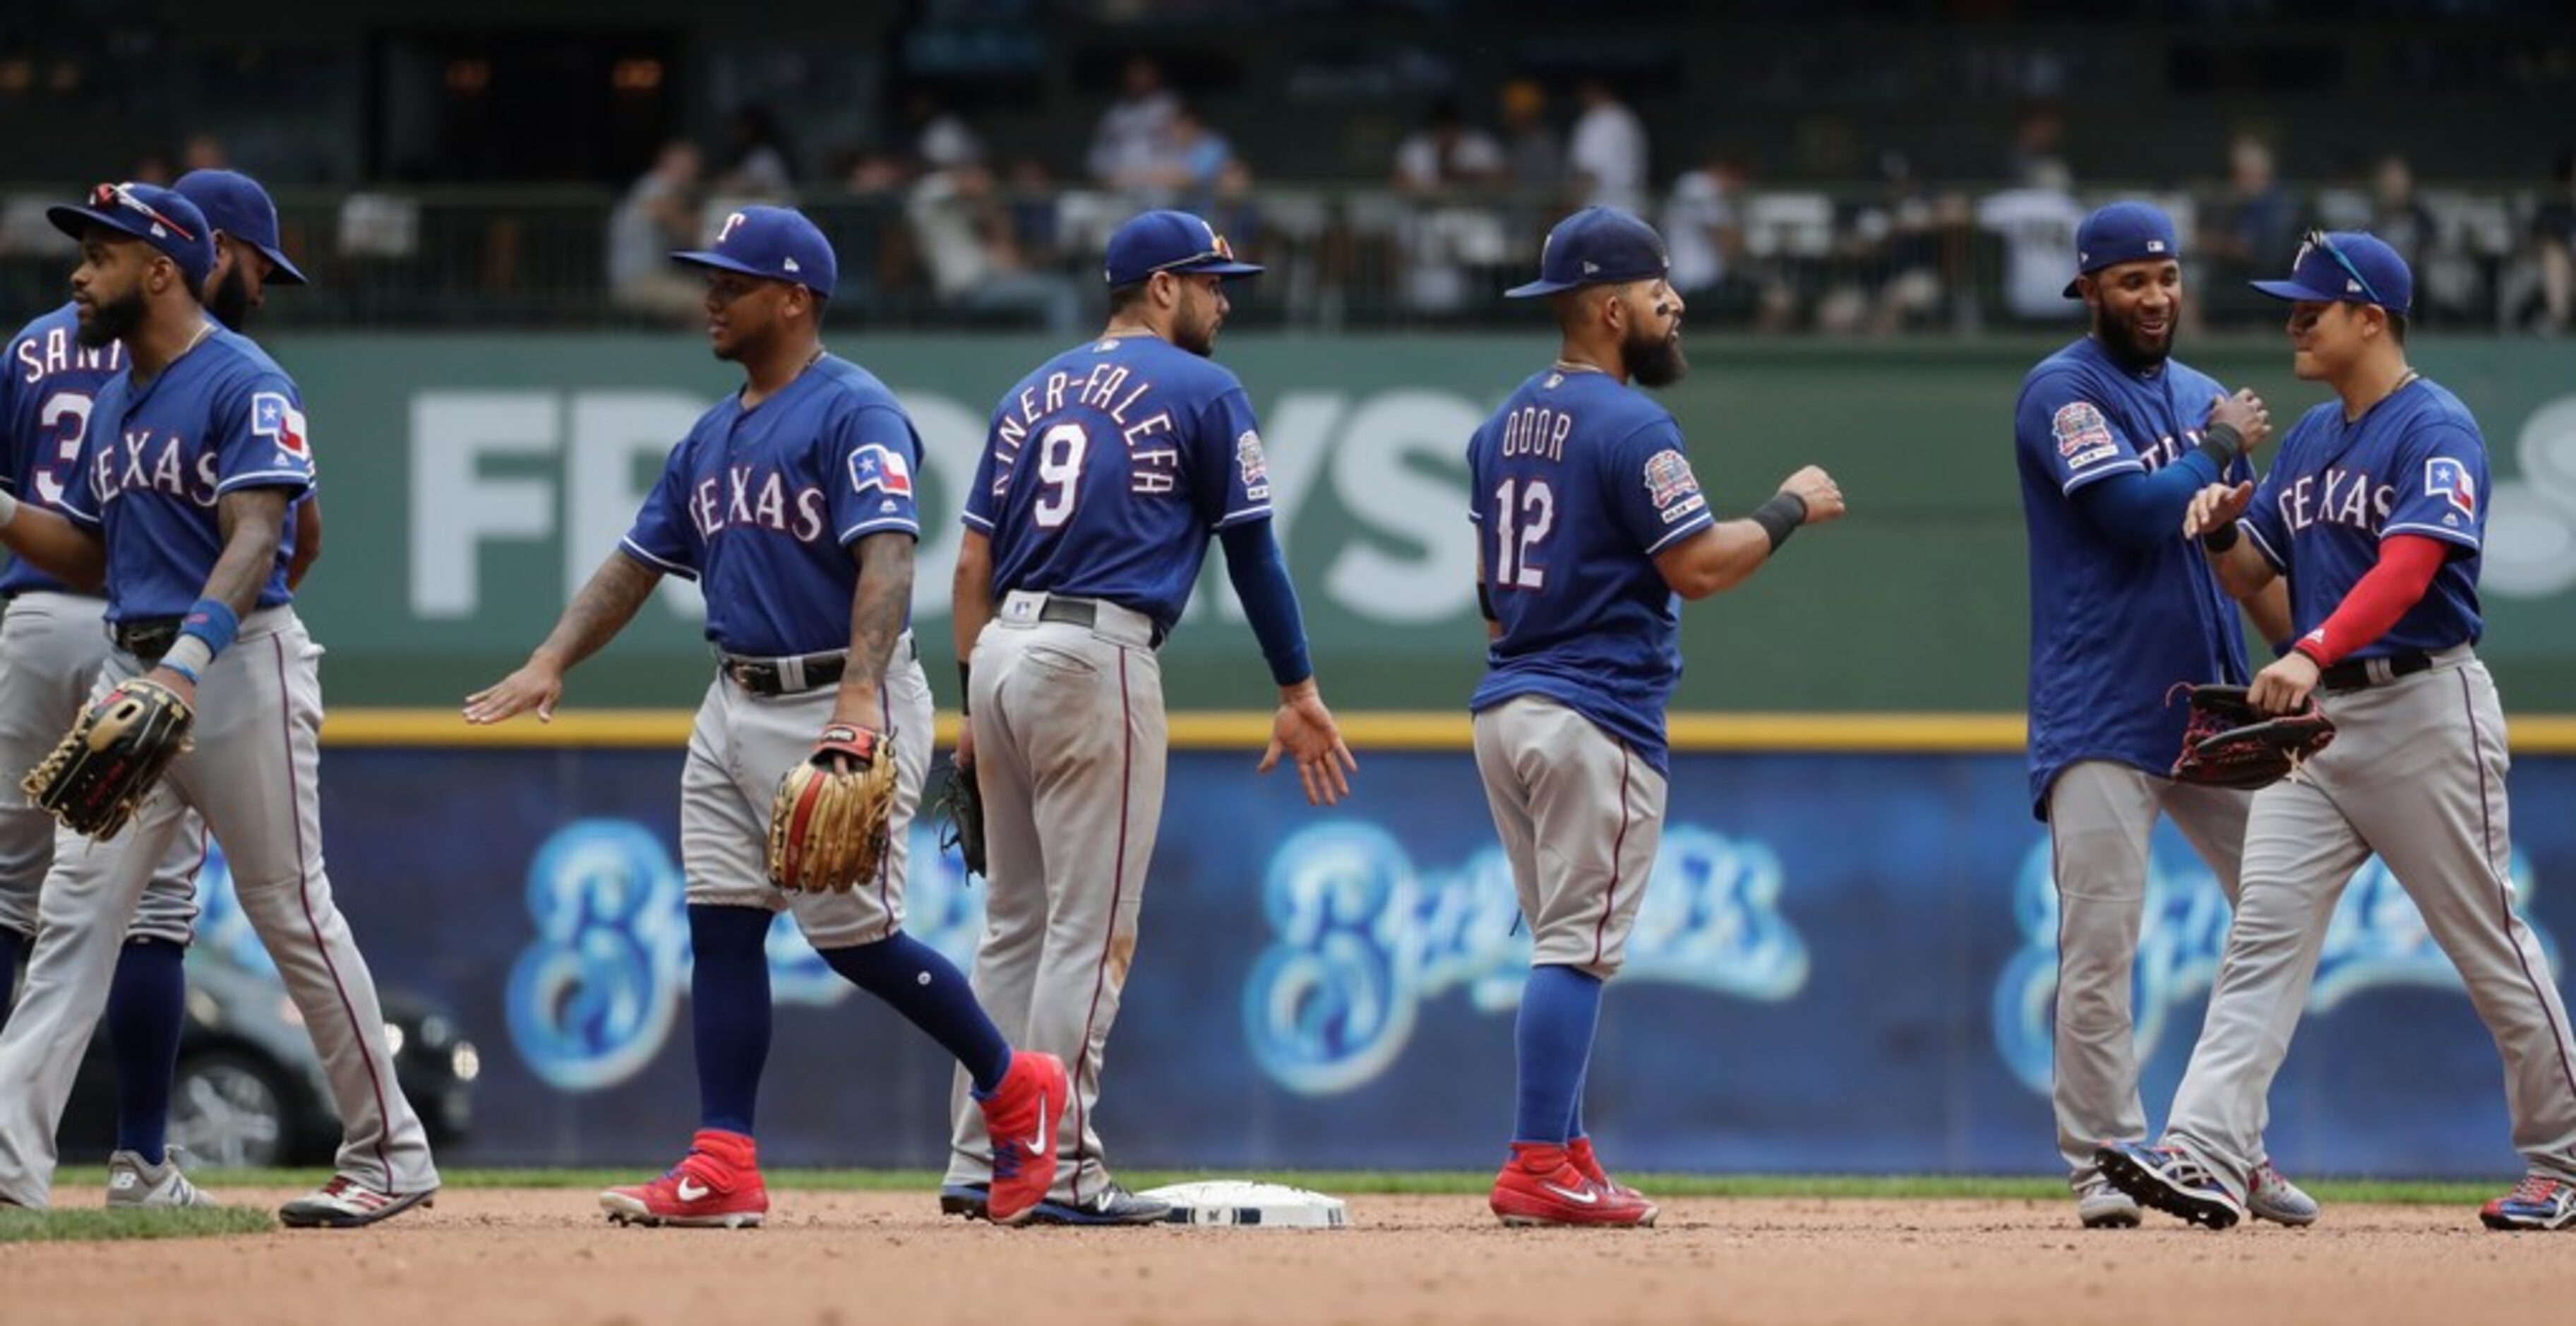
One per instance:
(2112,628)
(46,398)
(761,506)
(2414,463)
(221,418)
(1578,482)
(1108,468)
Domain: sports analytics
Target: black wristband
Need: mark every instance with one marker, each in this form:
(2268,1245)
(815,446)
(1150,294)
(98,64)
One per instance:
(965,688)
(2221,539)
(2223,445)
(1780,517)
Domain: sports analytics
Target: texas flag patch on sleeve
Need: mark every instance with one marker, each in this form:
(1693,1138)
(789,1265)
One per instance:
(274,417)
(2446,477)
(879,467)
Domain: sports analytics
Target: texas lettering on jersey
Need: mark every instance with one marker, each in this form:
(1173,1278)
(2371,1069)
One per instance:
(148,460)
(758,497)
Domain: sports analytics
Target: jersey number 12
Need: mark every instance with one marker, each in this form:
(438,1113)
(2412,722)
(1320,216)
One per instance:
(1518,529)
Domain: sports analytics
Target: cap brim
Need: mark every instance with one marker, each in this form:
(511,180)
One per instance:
(1537,288)
(1219,269)
(76,221)
(282,272)
(2292,290)
(2074,288)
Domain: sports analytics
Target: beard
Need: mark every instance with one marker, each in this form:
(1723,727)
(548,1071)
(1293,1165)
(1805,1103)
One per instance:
(229,301)
(2126,346)
(110,321)
(1655,361)
(1195,334)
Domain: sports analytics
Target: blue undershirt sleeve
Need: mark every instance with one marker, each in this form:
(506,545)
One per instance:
(2141,510)
(1261,582)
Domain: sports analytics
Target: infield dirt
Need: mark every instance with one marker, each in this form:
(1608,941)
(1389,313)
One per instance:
(845,1259)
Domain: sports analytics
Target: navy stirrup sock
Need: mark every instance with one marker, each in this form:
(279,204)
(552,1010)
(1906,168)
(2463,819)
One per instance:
(1560,1007)
(147,1004)
(914,980)
(729,1011)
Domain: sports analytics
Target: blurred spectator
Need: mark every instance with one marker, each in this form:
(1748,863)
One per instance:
(2398,216)
(1892,256)
(940,136)
(150,168)
(757,162)
(658,214)
(1606,154)
(965,237)
(2037,223)
(2254,236)
(1131,139)
(2553,241)
(1453,171)
(1198,159)
(1533,153)
(1705,237)
(2038,146)
(204,151)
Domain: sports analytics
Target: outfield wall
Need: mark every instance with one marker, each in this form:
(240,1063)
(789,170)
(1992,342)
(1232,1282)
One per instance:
(1844,964)
(472,482)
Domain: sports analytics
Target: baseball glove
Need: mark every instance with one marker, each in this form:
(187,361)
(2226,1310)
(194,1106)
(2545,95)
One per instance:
(104,767)
(827,825)
(960,809)
(2230,743)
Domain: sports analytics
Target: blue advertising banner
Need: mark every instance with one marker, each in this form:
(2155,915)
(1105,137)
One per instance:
(1845,964)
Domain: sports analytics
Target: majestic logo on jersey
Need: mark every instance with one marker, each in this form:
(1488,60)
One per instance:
(726,231)
(2083,435)
(881,468)
(1672,486)
(1256,473)
(1363,939)
(274,417)
(2445,476)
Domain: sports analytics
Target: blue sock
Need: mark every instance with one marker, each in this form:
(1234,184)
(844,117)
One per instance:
(14,950)
(146,1006)
(729,1011)
(1574,1121)
(915,981)
(1560,1006)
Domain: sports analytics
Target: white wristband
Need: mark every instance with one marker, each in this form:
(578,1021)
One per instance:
(189,657)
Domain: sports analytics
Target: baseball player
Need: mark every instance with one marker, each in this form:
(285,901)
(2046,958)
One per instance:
(195,453)
(2113,436)
(1590,529)
(52,643)
(791,502)
(1106,470)
(2375,514)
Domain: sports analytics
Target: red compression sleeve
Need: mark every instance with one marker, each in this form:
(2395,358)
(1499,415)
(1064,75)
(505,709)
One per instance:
(2407,563)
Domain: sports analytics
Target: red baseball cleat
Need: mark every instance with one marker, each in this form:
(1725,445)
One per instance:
(1579,1153)
(716,1185)
(1022,1117)
(1539,1185)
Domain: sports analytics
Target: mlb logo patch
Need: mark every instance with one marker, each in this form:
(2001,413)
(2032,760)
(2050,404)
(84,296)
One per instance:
(880,468)
(2446,477)
(1249,462)
(274,417)
(2083,435)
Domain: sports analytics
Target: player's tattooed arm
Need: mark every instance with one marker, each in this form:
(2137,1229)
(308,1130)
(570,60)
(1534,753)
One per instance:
(594,617)
(252,522)
(308,539)
(877,610)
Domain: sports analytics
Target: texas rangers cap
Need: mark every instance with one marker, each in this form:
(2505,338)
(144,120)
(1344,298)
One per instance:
(773,242)
(1596,246)
(1168,241)
(2122,232)
(157,216)
(236,205)
(2349,267)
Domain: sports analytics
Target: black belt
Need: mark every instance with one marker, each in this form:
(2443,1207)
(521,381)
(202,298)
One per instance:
(147,638)
(1085,612)
(768,676)
(2354,673)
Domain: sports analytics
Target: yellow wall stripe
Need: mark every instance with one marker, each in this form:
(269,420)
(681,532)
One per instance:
(2545,734)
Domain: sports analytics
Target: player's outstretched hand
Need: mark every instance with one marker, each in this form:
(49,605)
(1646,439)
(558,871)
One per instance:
(2215,507)
(536,685)
(2246,413)
(1824,497)
(1304,729)
(2285,685)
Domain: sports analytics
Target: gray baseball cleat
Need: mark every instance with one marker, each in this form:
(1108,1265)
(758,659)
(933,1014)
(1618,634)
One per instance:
(2271,1196)
(1112,1205)
(347,1203)
(132,1183)
(2101,1206)
(2170,1181)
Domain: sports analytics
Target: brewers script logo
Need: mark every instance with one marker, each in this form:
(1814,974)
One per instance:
(2375,938)
(1363,939)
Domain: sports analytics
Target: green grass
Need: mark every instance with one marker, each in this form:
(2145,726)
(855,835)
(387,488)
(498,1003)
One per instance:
(1345,1183)
(101,1226)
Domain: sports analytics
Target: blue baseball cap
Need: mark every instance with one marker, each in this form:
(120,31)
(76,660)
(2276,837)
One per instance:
(236,205)
(2347,267)
(2122,232)
(1596,246)
(1169,241)
(159,217)
(777,243)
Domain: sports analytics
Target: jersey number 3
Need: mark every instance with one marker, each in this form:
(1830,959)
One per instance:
(1519,527)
